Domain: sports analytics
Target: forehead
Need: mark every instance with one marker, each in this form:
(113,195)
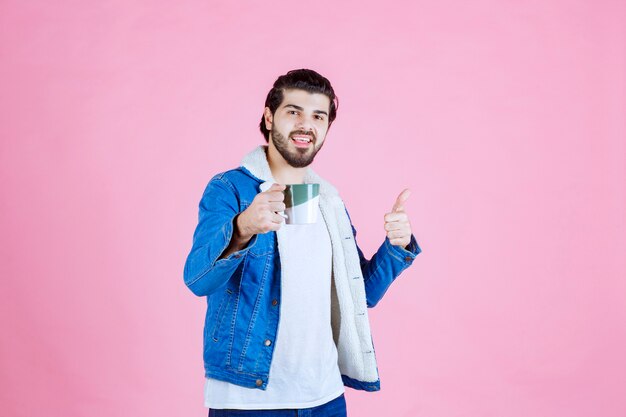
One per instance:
(302,98)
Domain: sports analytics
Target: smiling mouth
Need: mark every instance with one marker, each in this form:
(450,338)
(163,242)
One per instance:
(302,141)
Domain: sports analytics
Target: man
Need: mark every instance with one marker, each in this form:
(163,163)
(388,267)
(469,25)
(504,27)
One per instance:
(286,325)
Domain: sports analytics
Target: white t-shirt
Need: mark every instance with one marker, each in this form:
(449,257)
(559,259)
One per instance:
(304,371)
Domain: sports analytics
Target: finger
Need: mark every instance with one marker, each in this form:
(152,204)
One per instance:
(277,218)
(275,196)
(389,226)
(399,204)
(397,234)
(277,206)
(398,216)
(399,242)
(277,186)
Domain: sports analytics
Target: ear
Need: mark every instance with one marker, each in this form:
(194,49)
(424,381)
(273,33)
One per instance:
(267,114)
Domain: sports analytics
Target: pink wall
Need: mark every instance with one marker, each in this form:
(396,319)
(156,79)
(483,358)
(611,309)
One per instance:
(505,119)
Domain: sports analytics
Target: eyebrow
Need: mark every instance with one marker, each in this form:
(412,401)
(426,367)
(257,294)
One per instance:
(300,108)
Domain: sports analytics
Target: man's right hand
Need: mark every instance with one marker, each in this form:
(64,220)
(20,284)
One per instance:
(261,216)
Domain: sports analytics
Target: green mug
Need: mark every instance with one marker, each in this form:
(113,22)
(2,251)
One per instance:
(301,203)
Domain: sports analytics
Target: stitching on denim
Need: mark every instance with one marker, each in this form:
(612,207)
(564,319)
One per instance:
(217,313)
(256,362)
(255,312)
(219,317)
(231,339)
(257,244)
(227,182)
(235,371)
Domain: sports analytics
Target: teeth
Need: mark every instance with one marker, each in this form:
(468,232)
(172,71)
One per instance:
(307,140)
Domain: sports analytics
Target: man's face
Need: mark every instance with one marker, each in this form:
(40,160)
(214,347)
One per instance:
(301,115)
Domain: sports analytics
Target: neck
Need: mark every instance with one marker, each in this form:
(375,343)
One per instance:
(282,172)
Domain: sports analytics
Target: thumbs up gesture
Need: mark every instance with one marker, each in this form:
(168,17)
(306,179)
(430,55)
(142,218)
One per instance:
(397,222)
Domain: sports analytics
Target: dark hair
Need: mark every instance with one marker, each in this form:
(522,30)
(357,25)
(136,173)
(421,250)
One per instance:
(302,79)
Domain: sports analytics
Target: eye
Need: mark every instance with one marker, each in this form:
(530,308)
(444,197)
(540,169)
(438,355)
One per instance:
(292,111)
(320,117)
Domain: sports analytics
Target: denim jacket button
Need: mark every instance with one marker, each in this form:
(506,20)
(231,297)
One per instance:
(274,302)
(268,342)
(259,382)
(408,258)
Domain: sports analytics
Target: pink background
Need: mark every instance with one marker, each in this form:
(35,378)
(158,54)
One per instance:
(505,119)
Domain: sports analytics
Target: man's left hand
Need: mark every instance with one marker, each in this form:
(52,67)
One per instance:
(397,222)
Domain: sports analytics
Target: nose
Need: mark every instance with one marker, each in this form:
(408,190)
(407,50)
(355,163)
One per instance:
(304,124)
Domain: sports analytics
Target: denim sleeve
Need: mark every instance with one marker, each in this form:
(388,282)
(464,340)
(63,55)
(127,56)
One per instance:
(384,267)
(203,272)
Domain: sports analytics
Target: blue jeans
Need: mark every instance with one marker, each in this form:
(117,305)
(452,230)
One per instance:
(333,408)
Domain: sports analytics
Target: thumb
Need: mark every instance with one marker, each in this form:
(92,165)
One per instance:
(399,204)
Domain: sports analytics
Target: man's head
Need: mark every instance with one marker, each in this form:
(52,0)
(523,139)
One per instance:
(301,103)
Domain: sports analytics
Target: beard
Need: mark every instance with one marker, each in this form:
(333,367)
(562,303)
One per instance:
(296,157)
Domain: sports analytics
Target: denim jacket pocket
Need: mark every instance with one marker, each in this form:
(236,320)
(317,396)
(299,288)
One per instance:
(264,245)
(221,311)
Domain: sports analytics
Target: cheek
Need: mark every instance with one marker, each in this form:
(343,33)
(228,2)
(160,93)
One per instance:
(284,129)
(288,128)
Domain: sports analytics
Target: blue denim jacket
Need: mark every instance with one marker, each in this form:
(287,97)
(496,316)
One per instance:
(243,289)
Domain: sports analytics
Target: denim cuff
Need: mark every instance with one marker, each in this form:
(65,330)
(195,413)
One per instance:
(404,254)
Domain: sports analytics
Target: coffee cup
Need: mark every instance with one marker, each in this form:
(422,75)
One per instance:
(301,203)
